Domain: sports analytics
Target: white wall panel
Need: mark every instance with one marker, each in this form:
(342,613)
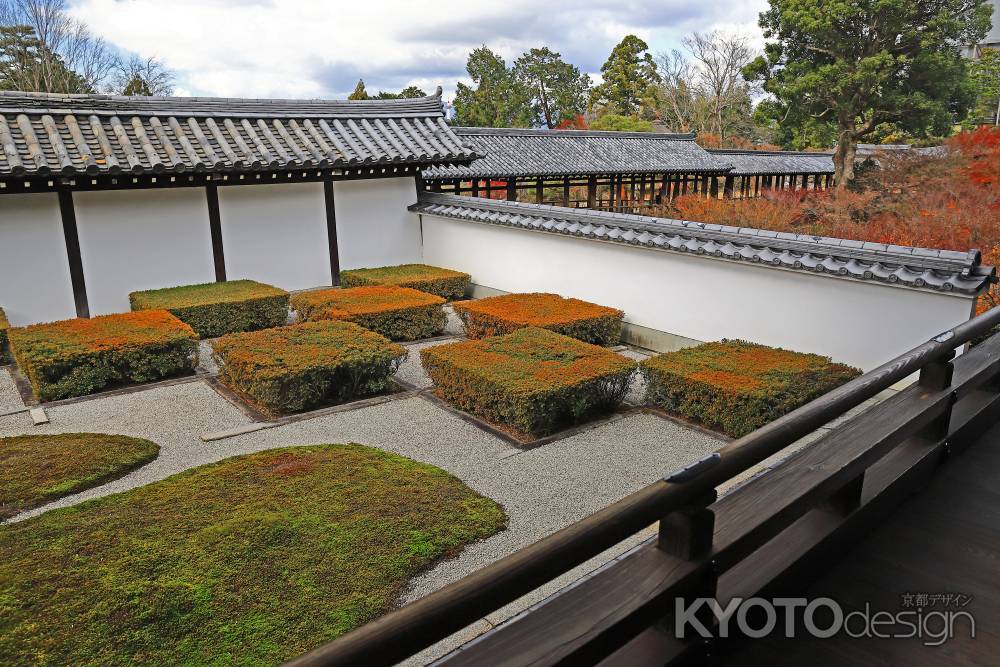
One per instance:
(860,323)
(34,273)
(276,234)
(142,239)
(373,226)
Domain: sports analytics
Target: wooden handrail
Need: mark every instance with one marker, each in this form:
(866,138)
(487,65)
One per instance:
(422,623)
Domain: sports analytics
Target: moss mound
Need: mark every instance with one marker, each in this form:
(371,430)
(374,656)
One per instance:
(249,561)
(36,469)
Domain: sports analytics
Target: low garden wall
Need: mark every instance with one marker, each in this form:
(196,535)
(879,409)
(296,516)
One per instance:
(859,323)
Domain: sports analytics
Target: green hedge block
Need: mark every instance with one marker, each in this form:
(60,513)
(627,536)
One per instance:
(532,381)
(736,387)
(444,283)
(292,368)
(81,356)
(216,309)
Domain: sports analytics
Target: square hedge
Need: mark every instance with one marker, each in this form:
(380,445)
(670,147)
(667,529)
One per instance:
(431,279)
(532,381)
(398,313)
(735,386)
(4,326)
(300,366)
(81,356)
(500,315)
(214,309)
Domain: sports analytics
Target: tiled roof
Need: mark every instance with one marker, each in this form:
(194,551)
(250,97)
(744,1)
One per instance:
(517,152)
(902,266)
(43,134)
(747,163)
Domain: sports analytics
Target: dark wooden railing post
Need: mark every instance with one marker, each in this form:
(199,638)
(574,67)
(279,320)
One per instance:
(937,375)
(687,532)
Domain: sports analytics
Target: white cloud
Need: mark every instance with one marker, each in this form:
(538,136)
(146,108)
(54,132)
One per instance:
(312,48)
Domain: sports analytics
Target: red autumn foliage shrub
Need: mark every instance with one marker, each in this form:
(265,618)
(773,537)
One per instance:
(948,201)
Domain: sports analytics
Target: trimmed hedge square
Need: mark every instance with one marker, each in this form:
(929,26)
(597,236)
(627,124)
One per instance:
(735,386)
(500,315)
(445,283)
(292,368)
(532,381)
(215,309)
(81,356)
(398,313)
(4,326)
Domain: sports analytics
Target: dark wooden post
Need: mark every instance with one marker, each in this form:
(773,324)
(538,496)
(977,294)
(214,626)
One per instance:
(727,189)
(591,192)
(512,189)
(687,533)
(215,227)
(714,192)
(937,376)
(611,192)
(538,191)
(704,186)
(565,194)
(72,237)
(475,187)
(331,232)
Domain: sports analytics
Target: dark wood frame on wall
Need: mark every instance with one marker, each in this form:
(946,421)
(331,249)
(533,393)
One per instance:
(72,237)
(64,188)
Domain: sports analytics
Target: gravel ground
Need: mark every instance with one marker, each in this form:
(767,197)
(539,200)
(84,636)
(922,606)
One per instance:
(411,371)
(542,489)
(10,399)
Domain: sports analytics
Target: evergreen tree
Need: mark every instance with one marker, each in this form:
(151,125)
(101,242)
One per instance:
(630,78)
(498,99)
(359,92)
(558,89)
(856,65)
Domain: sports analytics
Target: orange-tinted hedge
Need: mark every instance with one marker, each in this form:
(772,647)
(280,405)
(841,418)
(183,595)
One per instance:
(431,279)
(292,368)
(4,326)
(499,315)
(737,387)
(398,313)
(81,356)
(533,381)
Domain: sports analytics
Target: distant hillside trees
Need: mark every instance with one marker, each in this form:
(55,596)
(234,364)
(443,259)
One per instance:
(44,49)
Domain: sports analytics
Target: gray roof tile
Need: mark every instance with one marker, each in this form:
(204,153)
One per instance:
(48,134)
(945,270)
(518,152)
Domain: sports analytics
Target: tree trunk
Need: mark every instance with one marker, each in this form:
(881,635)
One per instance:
(843,159)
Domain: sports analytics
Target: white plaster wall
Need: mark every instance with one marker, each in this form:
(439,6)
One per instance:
(373,226)
(141,239)
(276,234)
(34,273)
(859,323)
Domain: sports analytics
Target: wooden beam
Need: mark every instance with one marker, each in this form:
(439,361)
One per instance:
(565,193)
(215,226)
(331,232)
(512,189)
(591,192)
(72,237)
(539,191)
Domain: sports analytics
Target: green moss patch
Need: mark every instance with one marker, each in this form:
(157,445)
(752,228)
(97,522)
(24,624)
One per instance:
(35,469)
(249,561)
(215,309)
(445,283)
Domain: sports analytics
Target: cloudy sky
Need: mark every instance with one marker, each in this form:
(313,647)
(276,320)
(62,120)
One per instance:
(312,48)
